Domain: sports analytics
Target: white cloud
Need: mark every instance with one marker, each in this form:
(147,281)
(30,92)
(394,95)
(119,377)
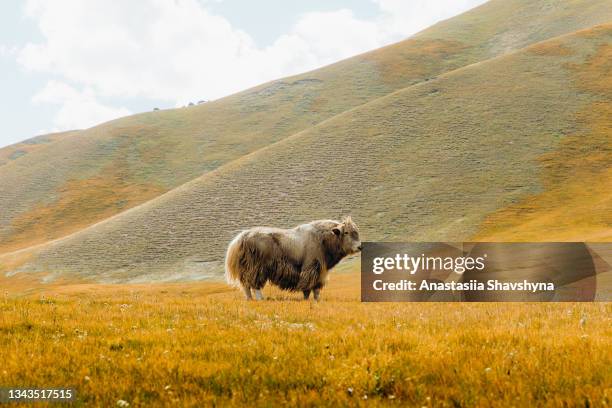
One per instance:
(322,38)
(78,109)
(178,51)
(8,51)
(401,18)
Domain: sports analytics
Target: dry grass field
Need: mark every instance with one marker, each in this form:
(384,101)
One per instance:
(490,126)
(201,344)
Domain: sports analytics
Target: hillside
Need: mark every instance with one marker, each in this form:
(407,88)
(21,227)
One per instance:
(435,161)
(13,152)
(73,182)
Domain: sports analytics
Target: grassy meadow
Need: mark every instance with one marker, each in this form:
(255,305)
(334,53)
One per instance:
(490,126)
(202,344)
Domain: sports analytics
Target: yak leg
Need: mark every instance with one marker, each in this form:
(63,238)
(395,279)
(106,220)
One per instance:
(247,292)
(258,294)
(317,294)
(310,276)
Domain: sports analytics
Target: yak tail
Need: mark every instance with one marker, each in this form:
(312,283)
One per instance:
(232,259)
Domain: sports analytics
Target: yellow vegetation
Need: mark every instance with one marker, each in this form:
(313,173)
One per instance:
(577,176)
(80,203)
(413,58)
(199,344)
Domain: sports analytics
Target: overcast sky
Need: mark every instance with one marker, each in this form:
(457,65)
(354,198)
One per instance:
(72,64)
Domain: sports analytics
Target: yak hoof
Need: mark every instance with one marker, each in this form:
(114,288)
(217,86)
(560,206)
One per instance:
(258,294)
(247,293)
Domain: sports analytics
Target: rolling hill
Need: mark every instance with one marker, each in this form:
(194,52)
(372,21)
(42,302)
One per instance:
(13,152)
(69,183)
(520,142)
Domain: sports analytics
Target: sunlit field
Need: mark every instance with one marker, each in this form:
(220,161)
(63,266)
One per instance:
(489,126)
(194,344)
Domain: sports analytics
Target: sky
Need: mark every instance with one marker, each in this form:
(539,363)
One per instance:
(73,64)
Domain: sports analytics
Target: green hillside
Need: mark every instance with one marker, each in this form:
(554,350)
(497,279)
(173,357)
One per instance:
(75,181)
(430,162)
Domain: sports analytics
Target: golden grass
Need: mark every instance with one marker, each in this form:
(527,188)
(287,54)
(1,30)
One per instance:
(396,62)
(80,203)
(583,216)
(576,201)
(551,48)
(201,344)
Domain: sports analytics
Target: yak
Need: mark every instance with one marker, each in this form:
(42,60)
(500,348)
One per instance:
(296,259)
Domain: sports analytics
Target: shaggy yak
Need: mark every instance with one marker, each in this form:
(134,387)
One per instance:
(293,259)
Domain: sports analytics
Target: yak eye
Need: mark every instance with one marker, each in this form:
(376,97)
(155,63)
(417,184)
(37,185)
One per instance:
(345,232)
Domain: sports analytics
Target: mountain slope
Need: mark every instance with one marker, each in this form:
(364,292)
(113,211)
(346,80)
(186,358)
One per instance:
(13,152)
(576,203)
(429,162)
(96,173)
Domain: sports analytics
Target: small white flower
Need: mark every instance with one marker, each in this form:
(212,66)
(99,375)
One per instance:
(86,378)
(167,387)
(486,370)
(123,403)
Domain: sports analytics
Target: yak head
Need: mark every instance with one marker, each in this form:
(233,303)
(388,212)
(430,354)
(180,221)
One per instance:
(348,234)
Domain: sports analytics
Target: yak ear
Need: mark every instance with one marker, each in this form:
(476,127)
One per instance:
(337,231)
